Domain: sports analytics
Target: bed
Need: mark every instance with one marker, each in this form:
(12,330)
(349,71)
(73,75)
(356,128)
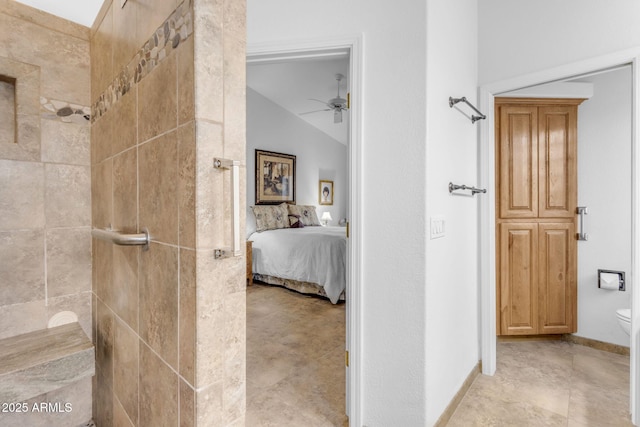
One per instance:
(311,259)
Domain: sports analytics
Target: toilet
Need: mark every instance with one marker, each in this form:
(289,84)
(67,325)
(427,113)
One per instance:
(624,319)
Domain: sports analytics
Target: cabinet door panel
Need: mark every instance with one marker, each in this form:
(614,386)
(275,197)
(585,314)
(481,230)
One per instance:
(557,281)
(518,279)
(557,161)
(518,162)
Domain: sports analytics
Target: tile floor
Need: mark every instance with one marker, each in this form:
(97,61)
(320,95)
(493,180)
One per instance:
(295,359)
(296,377)
(549,383)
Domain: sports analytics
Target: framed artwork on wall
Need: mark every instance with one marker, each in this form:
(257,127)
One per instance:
(325,190)
(275,178)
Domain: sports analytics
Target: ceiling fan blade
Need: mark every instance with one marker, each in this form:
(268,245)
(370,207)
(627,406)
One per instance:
(324,102)
(314,111)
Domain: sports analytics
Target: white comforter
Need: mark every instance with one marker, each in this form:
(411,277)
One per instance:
(309,254)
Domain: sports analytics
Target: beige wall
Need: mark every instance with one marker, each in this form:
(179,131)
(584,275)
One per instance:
(45,244)
(169,320)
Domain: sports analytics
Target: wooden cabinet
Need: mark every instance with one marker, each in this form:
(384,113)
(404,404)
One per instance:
(249,262)
(536,176)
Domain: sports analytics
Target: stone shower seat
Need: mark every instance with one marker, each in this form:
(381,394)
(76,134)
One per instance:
(44,360)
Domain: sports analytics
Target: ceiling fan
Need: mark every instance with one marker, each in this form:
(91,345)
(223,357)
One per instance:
(337,104)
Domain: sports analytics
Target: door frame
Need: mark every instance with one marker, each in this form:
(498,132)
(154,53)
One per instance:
(487,230)
(315,48)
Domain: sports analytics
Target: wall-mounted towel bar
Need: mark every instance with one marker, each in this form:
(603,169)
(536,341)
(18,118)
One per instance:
(234,166)
(454,101)
(115,237)
(453,187)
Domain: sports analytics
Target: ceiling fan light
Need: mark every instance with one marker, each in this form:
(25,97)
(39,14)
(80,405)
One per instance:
(337,115)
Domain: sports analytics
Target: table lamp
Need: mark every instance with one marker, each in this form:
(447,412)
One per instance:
(326,217)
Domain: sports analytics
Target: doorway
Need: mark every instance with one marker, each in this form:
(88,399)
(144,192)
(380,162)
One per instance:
(302,50)
(488,214)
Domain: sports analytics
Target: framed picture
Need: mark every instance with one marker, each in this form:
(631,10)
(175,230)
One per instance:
(325,191)
(275,178)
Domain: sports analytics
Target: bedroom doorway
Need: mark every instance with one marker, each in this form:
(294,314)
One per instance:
(598,66)
(296,65)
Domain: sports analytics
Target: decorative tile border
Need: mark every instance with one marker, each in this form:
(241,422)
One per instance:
(53,109)
(175,30)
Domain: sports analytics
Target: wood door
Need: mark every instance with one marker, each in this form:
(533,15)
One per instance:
(518,278)
(518,161)
(536,145)
(557,177)
(557,278)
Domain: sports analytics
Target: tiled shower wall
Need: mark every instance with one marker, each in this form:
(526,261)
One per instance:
(45,208)
(167,96)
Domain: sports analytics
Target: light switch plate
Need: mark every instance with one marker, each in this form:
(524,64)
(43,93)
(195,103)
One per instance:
(437,227)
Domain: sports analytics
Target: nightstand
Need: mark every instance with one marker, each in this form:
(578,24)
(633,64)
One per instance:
(249,262)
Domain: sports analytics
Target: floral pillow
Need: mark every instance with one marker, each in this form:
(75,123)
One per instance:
(307,214)
(271,217)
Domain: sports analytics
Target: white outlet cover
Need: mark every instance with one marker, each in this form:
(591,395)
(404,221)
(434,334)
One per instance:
(437,227)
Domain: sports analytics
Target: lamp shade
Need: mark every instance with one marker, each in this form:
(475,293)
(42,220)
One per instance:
(326,216)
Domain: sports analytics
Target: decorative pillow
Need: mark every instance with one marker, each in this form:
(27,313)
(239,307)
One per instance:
(294,221)
(307,214)
(271,217)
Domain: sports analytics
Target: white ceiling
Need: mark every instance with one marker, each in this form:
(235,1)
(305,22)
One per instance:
(290,83)
(83,12)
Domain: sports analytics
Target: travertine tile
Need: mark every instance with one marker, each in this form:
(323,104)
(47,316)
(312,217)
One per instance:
(21,195)
(101,194)
(158,302)
(68,261)
(102,137)
(234,394)
(186,94)
(158,183)
(125,369)
(209,60)
(187,185)
(103,399)
(235,81)
(104,345)
(157,100)
(125,43)
(8,116)
(151,14)
(103,260)
(124,299)
(78,395)
(102,56)
(21,318)
(187,315)
(65,142)
(124,130)
(187,405)
(22,266)
(79,303)
(209,404)
(158,389)
(210,227)
(125,191)
(120,418)
(67,195)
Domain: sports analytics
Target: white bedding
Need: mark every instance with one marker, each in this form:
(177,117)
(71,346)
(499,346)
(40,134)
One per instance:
(309,254)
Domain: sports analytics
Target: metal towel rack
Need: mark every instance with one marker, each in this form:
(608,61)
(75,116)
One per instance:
(454,101)
(234,166)
(115,237)
(453,187)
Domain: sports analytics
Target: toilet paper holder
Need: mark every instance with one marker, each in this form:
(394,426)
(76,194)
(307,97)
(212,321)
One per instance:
(620,274)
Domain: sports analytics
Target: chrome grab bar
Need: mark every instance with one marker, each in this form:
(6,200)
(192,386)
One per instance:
(234,166)
(582,211)
(115,237)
